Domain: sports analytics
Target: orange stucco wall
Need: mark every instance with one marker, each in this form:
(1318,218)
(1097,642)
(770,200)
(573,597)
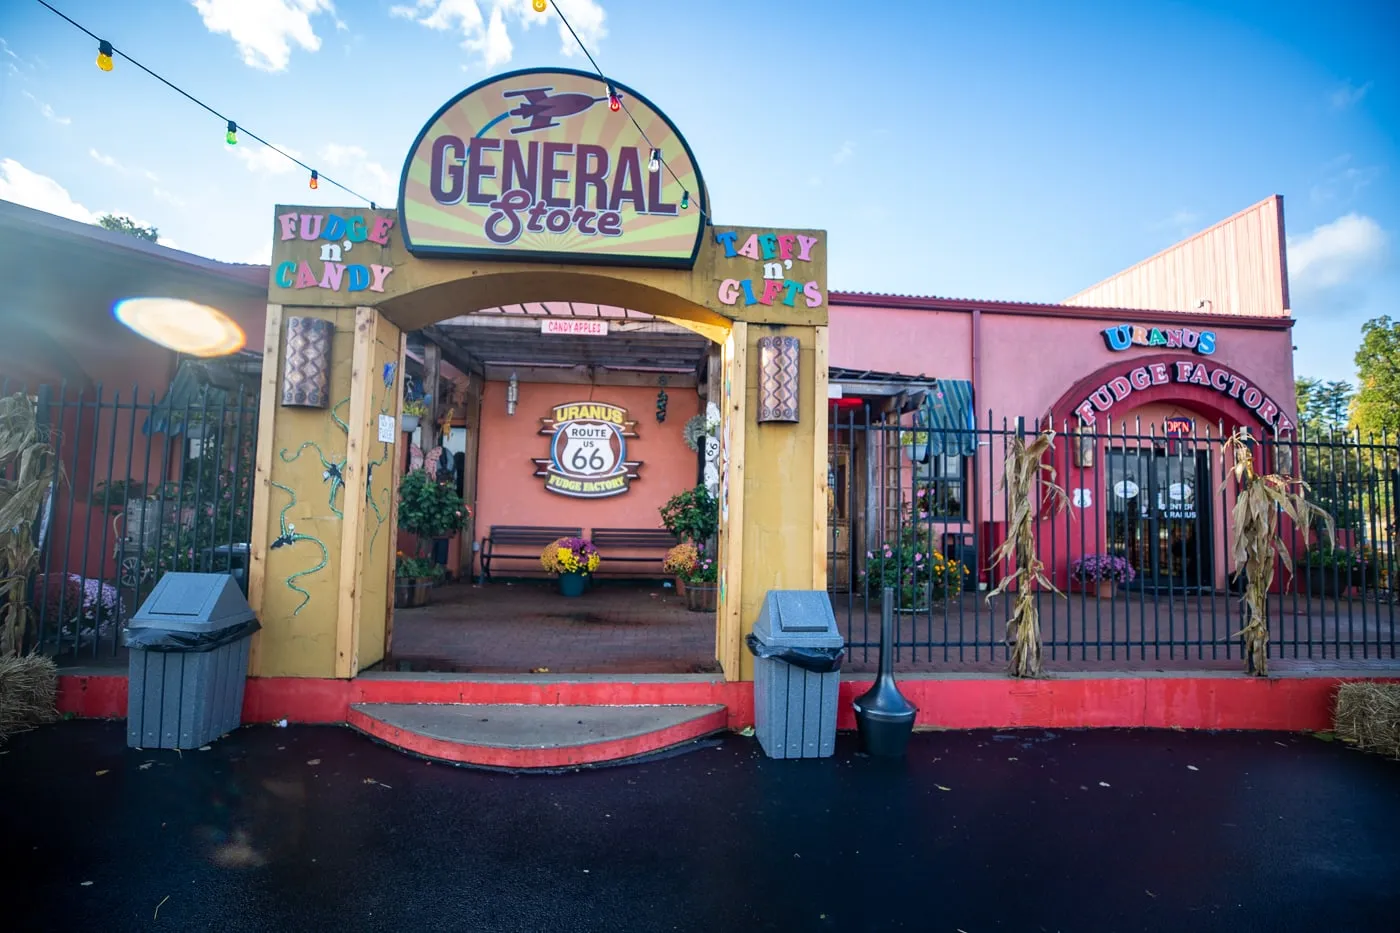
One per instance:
(509,493)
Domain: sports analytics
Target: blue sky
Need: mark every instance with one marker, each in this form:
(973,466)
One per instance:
(993,150)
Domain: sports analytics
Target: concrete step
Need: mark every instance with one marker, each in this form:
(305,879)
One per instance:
(525,737)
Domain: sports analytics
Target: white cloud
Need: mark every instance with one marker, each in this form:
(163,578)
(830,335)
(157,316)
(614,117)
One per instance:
(20,185)
(353,167)
(1335,254)
(259,158)
(265,29)
(1344,181)
(844,154)
(261,256)
(1349,95)
(162,195)
(48,111)
(109,161)
(489,36)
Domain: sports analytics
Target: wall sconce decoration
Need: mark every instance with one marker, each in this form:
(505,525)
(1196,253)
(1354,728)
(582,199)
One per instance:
(1084,449)
(778,379)
(512,393)
(306,367)
(661,400)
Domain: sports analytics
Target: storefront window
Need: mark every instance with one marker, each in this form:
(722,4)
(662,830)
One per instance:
(939,492)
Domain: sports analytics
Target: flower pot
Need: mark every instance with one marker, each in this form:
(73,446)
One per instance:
(411,592)
(680,587)
(572,584)
(409,423)
(917,453)
(701,597)
(1334,581)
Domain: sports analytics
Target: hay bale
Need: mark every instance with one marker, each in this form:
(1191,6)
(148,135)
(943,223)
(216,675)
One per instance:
(1368,715)
(28,691)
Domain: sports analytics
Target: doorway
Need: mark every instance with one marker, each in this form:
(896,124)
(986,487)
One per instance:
(1159,516)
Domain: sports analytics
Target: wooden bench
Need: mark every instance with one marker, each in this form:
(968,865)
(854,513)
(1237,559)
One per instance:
(608,540)
(520,536)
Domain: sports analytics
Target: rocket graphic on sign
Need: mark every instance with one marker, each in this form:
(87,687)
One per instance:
(542,110)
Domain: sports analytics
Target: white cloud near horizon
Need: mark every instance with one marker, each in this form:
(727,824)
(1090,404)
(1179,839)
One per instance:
(352,166)
(1336,255)
(264,30)
(40,192)
(261,159)
(487,35)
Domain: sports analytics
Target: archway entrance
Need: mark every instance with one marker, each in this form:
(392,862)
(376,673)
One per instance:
(520,215)
(562,419)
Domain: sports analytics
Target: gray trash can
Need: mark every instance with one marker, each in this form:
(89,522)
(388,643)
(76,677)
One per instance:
(797,662)
(189,661)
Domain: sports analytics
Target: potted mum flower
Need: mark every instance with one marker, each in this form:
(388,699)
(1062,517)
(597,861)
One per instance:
(574,560)
(701,582)
(679,561)
(1100,574)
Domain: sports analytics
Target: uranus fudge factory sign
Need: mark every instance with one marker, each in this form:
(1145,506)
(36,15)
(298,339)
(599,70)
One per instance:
(587,451)
(549,164)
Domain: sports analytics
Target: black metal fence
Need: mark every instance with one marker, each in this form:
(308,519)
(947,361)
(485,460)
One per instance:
(1138,548)
(150,486)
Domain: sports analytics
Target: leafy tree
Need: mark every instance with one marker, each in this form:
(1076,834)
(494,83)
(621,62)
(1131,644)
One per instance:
(1377,407)
(1323,406)
(119,223)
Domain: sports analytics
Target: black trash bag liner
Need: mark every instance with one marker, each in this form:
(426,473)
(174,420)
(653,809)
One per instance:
(160,639)
(816,660)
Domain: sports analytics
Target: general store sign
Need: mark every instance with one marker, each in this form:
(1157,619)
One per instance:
(537,165)
(587,451)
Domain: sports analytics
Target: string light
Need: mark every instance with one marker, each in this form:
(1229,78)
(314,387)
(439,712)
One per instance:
(541,5)
(315,180)
(231,137)
(615,104)
(655,164)
(106,52)
(685,200)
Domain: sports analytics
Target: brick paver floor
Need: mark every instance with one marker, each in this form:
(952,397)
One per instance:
(614,628)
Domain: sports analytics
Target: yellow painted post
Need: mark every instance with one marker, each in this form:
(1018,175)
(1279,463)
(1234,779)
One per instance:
(262,473)
(351,539)
(821,467)
(734,428)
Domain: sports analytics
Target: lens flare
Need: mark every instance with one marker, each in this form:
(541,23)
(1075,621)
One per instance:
(182,326)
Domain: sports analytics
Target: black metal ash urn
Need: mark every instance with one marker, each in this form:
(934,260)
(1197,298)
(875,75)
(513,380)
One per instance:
(884,717)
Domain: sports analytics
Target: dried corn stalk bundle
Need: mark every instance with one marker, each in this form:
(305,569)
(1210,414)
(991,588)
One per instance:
(1026,480)
(28,468)
(1255,542)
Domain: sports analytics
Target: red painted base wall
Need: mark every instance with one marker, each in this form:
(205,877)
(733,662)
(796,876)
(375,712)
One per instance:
(1129,701)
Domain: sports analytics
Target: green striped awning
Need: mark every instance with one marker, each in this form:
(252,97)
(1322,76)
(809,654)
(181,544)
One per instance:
(948,416)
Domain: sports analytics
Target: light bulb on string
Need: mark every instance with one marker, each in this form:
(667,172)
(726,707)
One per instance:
(231,136)
(655,164)
(104,55)
(541,5)
(685,200)
(614,101)
(315,180)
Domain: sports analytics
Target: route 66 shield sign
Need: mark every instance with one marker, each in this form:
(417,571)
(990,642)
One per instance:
(587,451)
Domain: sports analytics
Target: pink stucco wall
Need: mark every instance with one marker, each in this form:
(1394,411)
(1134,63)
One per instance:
(508,492)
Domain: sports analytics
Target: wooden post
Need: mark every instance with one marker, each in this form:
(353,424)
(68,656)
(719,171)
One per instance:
(734,408)
(820,465)
(260,535)
(396,471)
(352,552)
(432,375)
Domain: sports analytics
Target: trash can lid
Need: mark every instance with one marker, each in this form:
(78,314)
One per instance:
(798,618)
(193,602)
